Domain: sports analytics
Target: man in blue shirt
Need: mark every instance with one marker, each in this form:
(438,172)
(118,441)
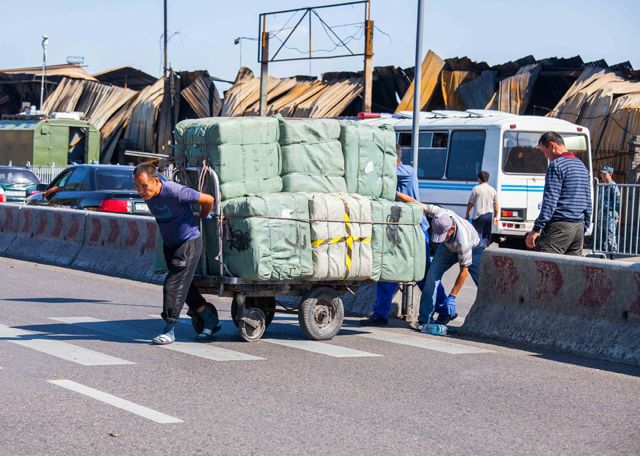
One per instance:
(171,205)
(566,203)
(407,185)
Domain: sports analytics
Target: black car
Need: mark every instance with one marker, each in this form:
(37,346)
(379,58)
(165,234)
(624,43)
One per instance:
(106,188)
(17,184)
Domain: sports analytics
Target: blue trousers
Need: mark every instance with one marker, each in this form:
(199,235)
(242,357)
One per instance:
(385,291)
(442,262)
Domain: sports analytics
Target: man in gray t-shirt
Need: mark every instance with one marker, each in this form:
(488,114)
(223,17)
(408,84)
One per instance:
(171,205)
(484,202)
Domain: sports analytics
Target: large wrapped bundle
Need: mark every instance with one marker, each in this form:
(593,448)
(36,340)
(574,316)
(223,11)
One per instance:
(370,159)
(266,237)
(312,159)
(341,233)
(243,151)
(399,247)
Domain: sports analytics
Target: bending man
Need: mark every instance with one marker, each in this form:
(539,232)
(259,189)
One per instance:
(171,205)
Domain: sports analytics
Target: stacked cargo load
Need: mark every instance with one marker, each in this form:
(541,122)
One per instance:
(244,152)
(266,237)
(341,233)
(312,158)
(370,159)
(398,243)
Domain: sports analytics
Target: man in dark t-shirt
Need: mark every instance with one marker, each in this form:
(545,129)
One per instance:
(171,205)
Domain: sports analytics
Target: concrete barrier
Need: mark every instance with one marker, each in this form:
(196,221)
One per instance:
(9,214)
(48,235)
(585,306)
(119,245)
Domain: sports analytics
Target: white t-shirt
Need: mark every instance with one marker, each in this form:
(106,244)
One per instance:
(482,198)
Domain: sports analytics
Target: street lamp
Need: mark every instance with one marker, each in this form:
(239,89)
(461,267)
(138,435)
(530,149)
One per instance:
(45,41)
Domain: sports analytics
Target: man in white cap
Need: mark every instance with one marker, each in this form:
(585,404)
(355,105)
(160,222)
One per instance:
(609,211)
(458,243)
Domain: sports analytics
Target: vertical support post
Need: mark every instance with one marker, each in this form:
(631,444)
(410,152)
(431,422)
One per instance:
(264,67)
(165,42)
(368,60)
(45,40)
(416,87)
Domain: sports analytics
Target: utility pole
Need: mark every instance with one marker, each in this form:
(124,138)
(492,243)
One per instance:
(368,59)
(264,67)
(166,41)
(416,88)
(45,41)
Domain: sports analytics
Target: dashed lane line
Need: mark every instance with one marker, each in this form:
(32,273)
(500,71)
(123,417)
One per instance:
(64,350)
(117,402)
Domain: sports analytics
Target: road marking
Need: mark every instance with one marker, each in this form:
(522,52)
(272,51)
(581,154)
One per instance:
(117,402)
(321,348)
(424,341)
(201,350)
(69,352)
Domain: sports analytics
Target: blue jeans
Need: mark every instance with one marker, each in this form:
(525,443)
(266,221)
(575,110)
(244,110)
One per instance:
(386,290)
(442,262)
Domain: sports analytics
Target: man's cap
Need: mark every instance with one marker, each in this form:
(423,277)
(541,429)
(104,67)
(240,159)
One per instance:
(440,225)
(607,169)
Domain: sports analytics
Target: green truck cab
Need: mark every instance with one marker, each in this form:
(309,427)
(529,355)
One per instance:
(45,141)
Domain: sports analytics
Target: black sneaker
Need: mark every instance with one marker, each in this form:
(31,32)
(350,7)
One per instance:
(445,319)
(374,321)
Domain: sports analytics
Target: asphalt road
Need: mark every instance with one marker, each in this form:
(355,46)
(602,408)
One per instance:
(79,377)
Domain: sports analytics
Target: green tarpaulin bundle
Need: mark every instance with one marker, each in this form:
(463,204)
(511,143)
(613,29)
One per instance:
(243,151)
(312,158)
(340,236)
(370,159)
(266,237)
(398,244)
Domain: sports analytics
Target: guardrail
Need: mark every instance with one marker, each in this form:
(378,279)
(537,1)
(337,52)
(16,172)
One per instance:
(617,220)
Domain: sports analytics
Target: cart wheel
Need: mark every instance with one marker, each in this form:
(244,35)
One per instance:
(321,313)
(196,321)
(266,304)
(252,329)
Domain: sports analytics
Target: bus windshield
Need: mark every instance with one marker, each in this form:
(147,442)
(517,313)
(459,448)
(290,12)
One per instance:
(521,155)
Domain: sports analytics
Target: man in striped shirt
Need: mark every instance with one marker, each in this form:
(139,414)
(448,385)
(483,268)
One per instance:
(459,243)
(566,205)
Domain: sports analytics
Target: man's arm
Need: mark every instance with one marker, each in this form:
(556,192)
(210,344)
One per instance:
(552,188)
(460,280)
(430,209)
(469,207)
(496,210)
(206,204)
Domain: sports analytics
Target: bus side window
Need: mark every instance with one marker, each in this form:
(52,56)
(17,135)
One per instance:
(404,139)
(432,155)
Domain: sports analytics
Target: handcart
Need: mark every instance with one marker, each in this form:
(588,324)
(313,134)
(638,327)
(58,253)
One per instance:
(320,309)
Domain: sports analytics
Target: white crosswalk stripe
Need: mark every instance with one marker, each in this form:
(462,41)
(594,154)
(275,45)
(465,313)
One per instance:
(115,329)
(115,401)
(64,350)
(321,348)
(434,343)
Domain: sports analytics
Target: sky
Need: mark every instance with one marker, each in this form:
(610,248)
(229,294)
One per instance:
(116,33)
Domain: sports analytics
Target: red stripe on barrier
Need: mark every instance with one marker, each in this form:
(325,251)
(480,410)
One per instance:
(635,306)
(57,225)
(42,225)
(550,280)
(75,227)
(115,231)
(508,273)
(95,229)
(133,233)
(8,219)
(151,239)
(599,287)
(26,226)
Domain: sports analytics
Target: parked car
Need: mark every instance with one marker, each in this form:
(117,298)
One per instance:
(17,184)
(106,188)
